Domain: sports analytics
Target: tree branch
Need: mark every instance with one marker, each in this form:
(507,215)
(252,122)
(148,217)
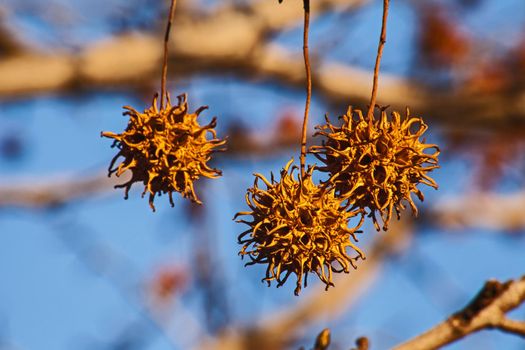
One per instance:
(486,311)
(54,192)
(133,58)
(482,210)
(240,45)
(511,326)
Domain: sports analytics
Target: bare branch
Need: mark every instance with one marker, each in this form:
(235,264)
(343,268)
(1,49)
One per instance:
(54,192)
(239,45)
(511,326)
(486,311)
(482,210)
(134,58)
(104,262)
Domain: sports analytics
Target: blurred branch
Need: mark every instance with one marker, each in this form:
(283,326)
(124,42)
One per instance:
(53,192)
(511,326)
(9,45)
(208,271)
(486,311)
(240,44)
(121,274)
(58,190)
(135,58)
(482,210)
(275,17)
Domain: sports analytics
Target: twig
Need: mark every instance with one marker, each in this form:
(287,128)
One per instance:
(382,41)
(308,84)
(512,326)
(54,192)
(499,211)
(165,61)
(486,311)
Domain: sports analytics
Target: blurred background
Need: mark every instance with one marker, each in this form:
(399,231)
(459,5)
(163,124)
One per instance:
(81,268)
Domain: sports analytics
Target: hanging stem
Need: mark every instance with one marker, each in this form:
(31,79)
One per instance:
(382,41)
(163,94)
(308,84)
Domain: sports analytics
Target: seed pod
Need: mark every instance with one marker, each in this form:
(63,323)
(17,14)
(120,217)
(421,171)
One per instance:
(377,165)
(166,150)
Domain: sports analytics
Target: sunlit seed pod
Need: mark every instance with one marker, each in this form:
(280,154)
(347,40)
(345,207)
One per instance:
(165,149)
(299,228)
(377,165)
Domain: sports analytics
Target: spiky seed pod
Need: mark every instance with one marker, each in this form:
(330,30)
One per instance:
(377,165)
(298,227)
(166,150)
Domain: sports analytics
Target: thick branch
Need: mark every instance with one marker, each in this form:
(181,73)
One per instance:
(486,311)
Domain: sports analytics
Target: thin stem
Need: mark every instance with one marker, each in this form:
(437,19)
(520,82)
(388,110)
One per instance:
(165,62)
(382,41)
(308,84)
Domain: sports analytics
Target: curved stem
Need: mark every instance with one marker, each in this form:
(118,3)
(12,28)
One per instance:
(382,41)
(308,84)
(165,62)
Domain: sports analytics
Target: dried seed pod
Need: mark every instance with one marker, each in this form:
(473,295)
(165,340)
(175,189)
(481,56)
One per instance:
(298,227)
(377,165)
(166,149)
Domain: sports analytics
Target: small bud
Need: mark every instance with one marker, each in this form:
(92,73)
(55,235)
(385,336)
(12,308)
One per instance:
(322,342)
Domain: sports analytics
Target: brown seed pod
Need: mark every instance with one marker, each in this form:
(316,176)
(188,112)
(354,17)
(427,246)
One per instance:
(166,150)
(298,227)
(377,165)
